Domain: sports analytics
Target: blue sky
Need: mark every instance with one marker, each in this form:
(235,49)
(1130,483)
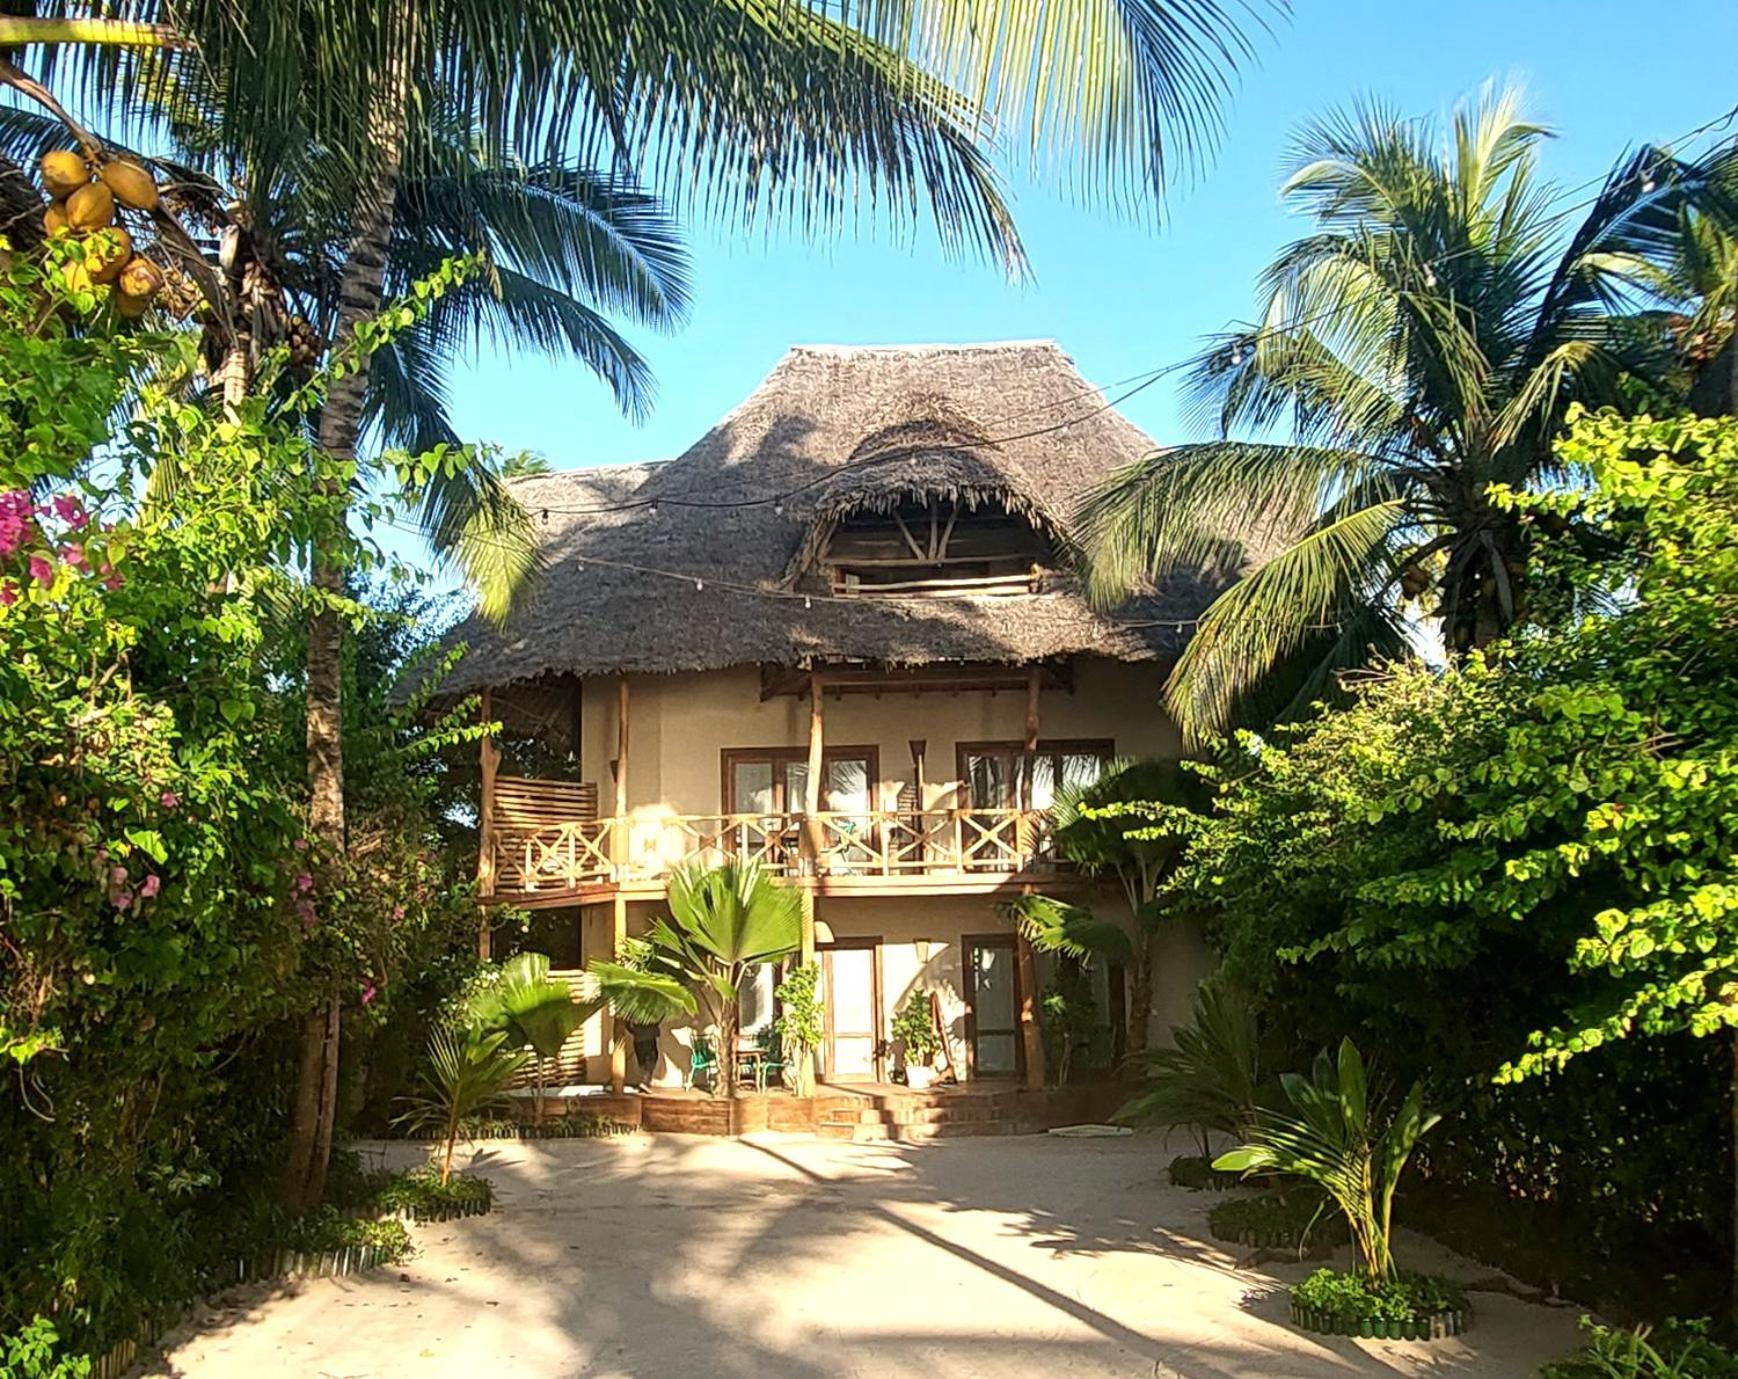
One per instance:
(1123,297)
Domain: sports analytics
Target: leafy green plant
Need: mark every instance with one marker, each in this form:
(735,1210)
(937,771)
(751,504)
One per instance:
(530,1010)
(1351,1298)
(422,1192)
(1196,1172)
(914,1028)
(1677,1350)
(467,1074)
(326,1228)
(801,1023)
(35,1353)
(1212,1078)
(1333,1141)
(724,921)
(1068,1021)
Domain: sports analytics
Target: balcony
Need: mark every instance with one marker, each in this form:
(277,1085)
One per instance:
(541,845)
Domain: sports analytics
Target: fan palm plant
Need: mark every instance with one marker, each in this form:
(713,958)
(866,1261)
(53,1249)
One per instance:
(1421,345)
(1333,1141)
(724,922)
(530,1011)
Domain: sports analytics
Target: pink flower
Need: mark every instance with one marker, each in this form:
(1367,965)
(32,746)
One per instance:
(151,886)
(368,993)
(68,508)
(169,799)
(111,580)
(117,876)
(124,900)
(16,527)
(73,555)
(305,912)
(301,845)
(304,882)
(398,912)
(41,571)
(8,593)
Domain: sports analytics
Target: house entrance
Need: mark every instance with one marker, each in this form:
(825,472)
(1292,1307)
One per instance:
(851,996)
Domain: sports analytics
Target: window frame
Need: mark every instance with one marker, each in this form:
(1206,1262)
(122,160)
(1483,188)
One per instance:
(1104,748)
(779,757)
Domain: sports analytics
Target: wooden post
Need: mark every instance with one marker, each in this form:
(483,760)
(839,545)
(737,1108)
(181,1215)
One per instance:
(817,756)
(618,1034)
(1031,1037)
(1028,769)
(490,757)
(619,840)
(808,896)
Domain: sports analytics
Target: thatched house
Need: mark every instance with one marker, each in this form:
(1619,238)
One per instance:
(838,635)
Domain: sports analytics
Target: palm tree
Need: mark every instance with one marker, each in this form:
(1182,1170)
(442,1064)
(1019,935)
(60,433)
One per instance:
(724,922)
(531,1010)
(468,1074)
(1421,345)
(750,111)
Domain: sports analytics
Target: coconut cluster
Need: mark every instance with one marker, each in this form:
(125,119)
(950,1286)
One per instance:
(87,199)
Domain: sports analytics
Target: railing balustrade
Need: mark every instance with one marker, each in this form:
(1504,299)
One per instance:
(541,854)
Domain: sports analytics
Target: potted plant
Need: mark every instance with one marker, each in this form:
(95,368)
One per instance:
(915,1029)
(800,1024)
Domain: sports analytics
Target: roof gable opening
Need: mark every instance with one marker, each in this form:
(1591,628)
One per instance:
(936,547)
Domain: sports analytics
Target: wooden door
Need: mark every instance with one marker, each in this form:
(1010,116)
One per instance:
(851,980)
(992,977)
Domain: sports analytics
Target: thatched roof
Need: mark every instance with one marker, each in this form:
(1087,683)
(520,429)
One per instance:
(746,509)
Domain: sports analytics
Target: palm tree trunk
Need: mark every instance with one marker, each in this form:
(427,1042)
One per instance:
(1140,994)
(359,299)
(727,1046)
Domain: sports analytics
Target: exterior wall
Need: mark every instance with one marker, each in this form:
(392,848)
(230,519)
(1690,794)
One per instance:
(680,724)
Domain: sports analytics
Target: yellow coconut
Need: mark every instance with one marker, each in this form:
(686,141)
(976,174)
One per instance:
(131,307)
(141,278)
(63,172)
(91,207)
(130,183)
(54,221)
(107,254)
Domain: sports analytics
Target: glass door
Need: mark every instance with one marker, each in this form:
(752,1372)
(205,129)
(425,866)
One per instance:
(851,981)
(992,1006)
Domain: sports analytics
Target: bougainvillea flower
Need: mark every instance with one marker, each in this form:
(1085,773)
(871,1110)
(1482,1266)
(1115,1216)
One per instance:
(169,799)
(368,993)
(41,570)
(8,593)
(16,527)
(68,508)
(73,555)
(124,900)
(304,882)
(151,886)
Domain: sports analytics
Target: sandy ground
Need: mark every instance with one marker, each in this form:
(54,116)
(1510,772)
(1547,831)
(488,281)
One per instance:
(785,1258)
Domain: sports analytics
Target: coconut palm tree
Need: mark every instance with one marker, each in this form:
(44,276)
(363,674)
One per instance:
(1421,345)
(531,1009)
(751,112)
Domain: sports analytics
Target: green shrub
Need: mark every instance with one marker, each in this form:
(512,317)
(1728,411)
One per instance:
(1196,1171)
(914,1028)
(327,1228)
(35,1353)
(1678,1350)
(1351,1298)
(420,1193)
(1293,1219)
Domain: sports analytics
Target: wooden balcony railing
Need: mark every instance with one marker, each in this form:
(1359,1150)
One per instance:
(545,855)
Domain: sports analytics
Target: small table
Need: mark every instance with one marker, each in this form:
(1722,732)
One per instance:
(750,1069)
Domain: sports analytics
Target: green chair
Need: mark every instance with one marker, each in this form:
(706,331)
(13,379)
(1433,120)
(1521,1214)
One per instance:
(772,1057)
(702,1062)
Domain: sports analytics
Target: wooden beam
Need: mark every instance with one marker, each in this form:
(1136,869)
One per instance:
(617,1033)
(1031,1037)
(490,759)
(1029,750)
(621,747)
(817,763)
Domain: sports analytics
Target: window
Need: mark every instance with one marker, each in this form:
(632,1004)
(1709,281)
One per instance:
(993,772)
(939,547)
(775,780)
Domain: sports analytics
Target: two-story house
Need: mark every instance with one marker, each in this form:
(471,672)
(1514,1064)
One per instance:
(837,635)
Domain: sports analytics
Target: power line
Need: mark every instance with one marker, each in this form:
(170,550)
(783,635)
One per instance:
(1141,381)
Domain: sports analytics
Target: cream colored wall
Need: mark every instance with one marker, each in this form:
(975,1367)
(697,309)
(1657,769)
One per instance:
(680,724)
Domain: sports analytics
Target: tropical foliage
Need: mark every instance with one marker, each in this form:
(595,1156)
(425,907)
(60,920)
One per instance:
(1211,1077)
(467,1075)
(1423,344)
(1337,1139)
(801,1022)
(724,922)
(914,1028)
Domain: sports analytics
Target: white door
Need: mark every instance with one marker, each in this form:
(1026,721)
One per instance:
(852,998)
